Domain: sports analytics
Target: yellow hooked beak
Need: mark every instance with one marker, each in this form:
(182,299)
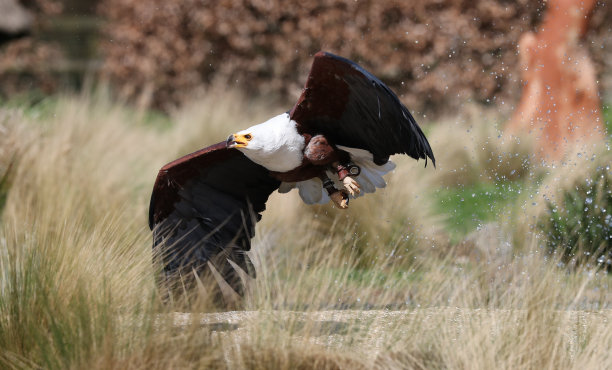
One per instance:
(238,141)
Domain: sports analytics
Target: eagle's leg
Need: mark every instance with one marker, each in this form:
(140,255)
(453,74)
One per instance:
(339,197)
(346,173)
(320,153)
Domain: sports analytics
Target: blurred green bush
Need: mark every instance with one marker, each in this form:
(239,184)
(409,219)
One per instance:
(578,224)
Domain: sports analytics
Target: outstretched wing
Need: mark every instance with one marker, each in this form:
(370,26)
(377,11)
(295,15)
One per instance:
(353,108)
(204,208)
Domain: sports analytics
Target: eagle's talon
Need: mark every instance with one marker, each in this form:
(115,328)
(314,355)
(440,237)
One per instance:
(351,185)
(340,199)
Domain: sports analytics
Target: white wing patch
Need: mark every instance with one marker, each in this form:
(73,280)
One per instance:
(371,177)
(310,191)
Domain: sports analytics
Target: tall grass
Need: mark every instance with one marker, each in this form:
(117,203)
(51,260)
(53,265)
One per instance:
(377,286)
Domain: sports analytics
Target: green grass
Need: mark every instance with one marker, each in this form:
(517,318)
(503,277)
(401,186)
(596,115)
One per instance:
(466,208)
(34,105)
(40,107)
(607,116)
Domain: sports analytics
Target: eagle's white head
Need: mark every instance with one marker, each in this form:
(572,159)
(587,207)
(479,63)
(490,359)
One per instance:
(274,144)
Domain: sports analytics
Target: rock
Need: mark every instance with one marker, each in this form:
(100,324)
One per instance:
(489,243)
(559,102)
(15,20)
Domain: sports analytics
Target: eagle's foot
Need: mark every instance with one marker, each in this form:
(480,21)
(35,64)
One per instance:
(351,186)
(340,199)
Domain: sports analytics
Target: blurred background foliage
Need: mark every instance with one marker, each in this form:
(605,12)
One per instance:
(437,54)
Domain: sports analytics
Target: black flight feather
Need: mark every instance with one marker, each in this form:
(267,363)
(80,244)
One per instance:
(351,107)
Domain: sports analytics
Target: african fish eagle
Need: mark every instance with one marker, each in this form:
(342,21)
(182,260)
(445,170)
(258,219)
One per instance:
(333,144)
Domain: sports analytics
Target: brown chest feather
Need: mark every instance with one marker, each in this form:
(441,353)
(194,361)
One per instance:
(304,172)
(319,154)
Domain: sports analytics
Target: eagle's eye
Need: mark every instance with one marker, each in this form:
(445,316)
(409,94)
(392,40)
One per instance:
(248,136)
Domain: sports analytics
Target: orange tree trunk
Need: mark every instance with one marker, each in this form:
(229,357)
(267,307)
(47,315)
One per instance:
(559,102)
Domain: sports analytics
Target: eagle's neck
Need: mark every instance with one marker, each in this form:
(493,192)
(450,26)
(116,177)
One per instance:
(281,147)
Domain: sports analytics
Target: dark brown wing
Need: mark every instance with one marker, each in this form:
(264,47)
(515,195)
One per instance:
(351,107)
(206,204)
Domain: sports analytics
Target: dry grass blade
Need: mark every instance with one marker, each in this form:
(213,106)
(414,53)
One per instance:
(377,286)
